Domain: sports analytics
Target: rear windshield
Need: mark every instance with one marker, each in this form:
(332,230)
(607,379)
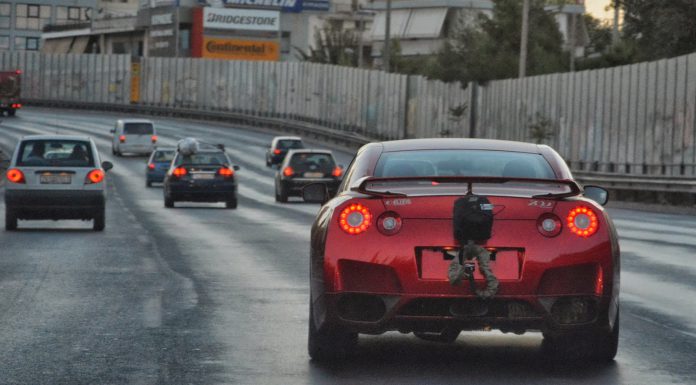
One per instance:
(138,129)
(163,156)
(289,144)
(202,158)
(463,163)
(55,153)
(304,162)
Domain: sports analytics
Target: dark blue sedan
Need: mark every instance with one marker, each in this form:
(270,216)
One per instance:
(158,164)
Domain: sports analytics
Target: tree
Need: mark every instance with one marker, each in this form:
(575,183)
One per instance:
(332,45)
(660,28)
(489,47)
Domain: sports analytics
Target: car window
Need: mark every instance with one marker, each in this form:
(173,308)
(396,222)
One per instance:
(202,158)
(289,144)
(138,129)
(312,162)
(163,156)
(55,153)
(463,163)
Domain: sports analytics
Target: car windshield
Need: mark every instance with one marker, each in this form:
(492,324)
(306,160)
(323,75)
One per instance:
(163,156)
(55,153)
(202,158)
(289,144)
(138,129)
(307,162)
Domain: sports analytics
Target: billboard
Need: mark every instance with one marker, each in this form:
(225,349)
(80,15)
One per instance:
(242,19)
(283,5)
(316,5)
(233,49)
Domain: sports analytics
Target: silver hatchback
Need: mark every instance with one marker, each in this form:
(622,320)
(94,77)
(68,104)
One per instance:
(56,177)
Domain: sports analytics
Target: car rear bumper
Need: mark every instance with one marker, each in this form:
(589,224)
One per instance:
(206,193)
(155,176)
(57,204)
(294,186)
(136,148)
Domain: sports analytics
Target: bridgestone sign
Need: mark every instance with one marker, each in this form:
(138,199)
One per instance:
(242,19)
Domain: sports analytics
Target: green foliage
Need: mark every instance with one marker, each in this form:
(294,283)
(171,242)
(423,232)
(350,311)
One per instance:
(332,45)
(490,48)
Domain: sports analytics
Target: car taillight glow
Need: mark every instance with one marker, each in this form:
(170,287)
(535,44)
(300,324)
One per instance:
(276,151)
(154,138)
(16,105)
(337,172)
(582,222)
(151,166)
(389,223)
(355,219)
(226,172)
(15,176)
(288,171)
(179,172)
(95,176)
(122,138)
(18,72)
(549,225)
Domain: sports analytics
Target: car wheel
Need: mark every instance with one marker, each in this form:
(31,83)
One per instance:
(99,220)
(598,346)
(10,219)
(11,112)
(148,183)
(327,345)
(447,336)
(231,204)
(113,150)
(281,194)
(168,202)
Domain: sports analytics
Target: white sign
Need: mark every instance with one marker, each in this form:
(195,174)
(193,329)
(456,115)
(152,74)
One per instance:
(164,19)
(246,19)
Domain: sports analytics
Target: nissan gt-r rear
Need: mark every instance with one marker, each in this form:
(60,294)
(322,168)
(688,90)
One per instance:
(383,250)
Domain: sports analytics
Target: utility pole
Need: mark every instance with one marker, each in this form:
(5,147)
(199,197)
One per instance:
(387,39)
(523,44)
(571,40)
(615,30)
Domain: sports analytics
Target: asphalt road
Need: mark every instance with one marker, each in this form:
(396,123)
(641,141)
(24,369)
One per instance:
(204,295)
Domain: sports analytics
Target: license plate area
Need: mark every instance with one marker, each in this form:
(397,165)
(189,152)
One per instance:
(433,262)
(55,178)
(313,175)
(202,176)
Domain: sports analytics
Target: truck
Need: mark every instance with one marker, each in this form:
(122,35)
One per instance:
(10,89)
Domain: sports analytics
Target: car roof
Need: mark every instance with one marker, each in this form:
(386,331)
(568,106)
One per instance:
(135,120)
(57,136)
(309,151)
(287,138)
(460,144)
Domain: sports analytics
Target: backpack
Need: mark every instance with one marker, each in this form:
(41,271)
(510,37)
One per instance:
(472,219)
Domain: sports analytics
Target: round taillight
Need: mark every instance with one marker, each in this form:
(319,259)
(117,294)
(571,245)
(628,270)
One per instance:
(226,172)
(549,225)
(288,171)
(582,222)
(355,219)
(122,138)
(15,176)
(276,151)
(154,138)
(337,172)
(389,223)
(179,172)
(95,176)
(151,166)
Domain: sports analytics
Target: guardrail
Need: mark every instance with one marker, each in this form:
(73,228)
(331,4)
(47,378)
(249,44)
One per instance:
(643,188)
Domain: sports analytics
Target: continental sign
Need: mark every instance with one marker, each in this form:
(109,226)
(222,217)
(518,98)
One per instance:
(240,49)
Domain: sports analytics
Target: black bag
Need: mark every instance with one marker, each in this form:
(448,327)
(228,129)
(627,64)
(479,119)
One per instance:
(473,219)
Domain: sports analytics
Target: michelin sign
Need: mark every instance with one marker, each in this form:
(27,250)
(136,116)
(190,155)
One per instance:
(283,5)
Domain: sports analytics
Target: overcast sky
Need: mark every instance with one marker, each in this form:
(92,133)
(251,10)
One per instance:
(596,8)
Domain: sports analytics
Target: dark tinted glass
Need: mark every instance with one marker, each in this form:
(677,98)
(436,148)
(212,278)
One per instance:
(304,162)
(55,153)
(163,156)
(203,158)
(289,144)
(138,129)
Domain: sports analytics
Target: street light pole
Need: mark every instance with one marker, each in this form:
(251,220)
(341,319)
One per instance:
(523,44)
(387,38)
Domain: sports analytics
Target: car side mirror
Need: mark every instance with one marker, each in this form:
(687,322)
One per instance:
(236,168)
(112,130)
(315,193)
(106,165)
(597,194)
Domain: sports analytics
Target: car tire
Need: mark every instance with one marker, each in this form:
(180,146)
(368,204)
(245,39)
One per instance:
(10,219)
(596,346)
(148,183)
(231,204)
(327,345)
(99,220)
(447,336)
(11,112)
(168,202)
(281,194)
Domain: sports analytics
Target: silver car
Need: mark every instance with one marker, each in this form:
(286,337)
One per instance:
(56,177)
(134,136)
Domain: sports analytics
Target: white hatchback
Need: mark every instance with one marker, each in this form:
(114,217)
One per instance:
(134,136)
(56,177)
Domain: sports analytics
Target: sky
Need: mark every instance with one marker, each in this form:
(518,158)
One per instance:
(596,9)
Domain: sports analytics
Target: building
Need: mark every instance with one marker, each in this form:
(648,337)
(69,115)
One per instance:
(22,22)
(422,27)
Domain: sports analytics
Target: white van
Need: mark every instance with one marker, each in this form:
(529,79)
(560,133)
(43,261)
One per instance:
(134,136)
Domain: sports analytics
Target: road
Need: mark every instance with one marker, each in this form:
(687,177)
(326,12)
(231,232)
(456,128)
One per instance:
(203,295)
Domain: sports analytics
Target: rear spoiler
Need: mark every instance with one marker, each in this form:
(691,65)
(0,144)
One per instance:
(361,184)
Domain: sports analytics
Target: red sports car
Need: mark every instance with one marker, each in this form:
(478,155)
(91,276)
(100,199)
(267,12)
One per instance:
(391,250)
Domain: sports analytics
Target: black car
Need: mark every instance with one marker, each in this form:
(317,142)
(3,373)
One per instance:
(280,147)
(303,167)
(206,175)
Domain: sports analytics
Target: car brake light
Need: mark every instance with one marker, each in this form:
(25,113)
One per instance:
(337,172)
(549,225)
(122,138)
(18,72)
(276,151)
(389,223)
(16,105)
(226,172)
(151,166)
(94,176)
(154,138)
(355,219)
(582,222)
(179,172)
(15,176)
(288,171)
